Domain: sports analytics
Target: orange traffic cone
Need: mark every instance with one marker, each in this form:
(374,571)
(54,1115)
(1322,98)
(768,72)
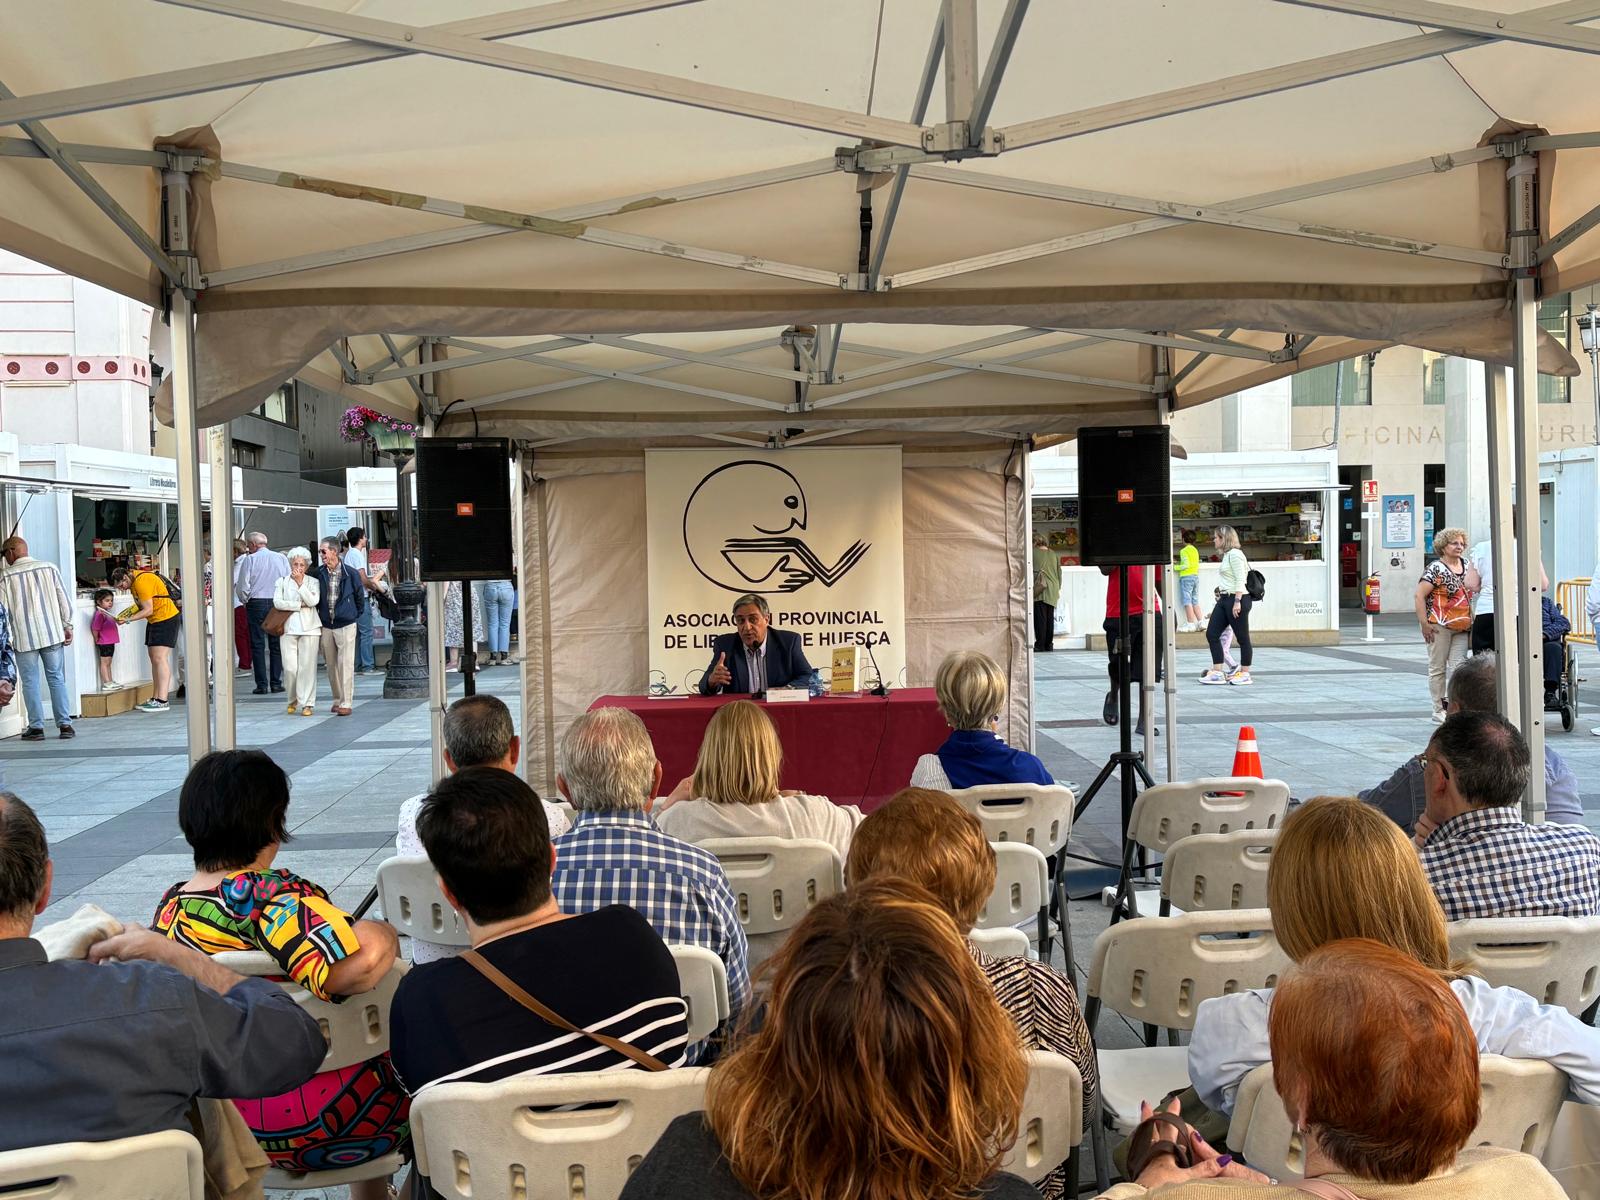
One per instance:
(1247,759)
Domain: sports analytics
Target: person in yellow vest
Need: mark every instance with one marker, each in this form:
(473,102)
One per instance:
(1187,572)
(1046,592)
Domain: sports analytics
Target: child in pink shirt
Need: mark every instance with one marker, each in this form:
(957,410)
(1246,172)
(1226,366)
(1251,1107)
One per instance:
(104,628)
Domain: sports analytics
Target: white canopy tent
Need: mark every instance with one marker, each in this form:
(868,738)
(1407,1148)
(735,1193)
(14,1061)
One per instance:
(594,222)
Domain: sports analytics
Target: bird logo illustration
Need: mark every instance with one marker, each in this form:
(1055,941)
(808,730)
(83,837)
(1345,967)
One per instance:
(739,529)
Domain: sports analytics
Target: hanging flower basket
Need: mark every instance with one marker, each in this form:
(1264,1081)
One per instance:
(387,434)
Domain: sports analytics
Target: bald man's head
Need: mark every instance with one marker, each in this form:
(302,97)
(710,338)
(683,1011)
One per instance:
(14,548)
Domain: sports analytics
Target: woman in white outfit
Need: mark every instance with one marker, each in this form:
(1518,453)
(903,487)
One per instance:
(1342,869)
(297,594)
(1232,610)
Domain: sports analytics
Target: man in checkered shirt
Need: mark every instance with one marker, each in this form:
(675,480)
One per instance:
(614,854)
(1481,857)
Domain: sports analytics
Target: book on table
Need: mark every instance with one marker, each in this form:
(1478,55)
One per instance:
(845,674)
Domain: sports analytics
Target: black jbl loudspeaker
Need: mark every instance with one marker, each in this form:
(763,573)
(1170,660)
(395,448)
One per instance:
(1125,495)
(464,508)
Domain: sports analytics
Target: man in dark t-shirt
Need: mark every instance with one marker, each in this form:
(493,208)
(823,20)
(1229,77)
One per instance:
(486,834)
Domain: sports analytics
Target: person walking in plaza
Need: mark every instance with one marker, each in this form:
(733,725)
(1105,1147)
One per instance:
(1187,572)
(342,594)
(1480,582)
(41,630)
(255,576)
(499,600)
(1046,593)
(1444,611)
(1232,610)
(241,622)
(1112,627)
(454,625)
(355,556)
(297,594)
(158,609)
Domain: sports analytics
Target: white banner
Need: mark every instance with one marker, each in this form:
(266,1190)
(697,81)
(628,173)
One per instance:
(817,532)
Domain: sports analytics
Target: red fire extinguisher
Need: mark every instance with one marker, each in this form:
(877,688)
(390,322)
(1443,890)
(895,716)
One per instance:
(1370,600)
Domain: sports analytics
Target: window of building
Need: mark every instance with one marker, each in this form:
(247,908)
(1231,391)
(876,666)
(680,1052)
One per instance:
(1432,377)
(247,454)
(280,407)
(1350,380)
(1555,318)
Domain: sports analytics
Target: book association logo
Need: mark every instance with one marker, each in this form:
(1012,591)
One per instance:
(740,530)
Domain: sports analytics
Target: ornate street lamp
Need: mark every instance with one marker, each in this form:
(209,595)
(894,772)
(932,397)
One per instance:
(1589,335)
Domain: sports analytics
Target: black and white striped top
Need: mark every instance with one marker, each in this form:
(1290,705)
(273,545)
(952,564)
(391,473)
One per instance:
(607,970)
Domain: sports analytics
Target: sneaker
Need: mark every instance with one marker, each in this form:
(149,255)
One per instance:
(152,706)
(260,691)
(278,690)
(1438,716)
(67,731)
(1230,665)
(1212,678)
(1108,711)
(33,735)
(1240,678)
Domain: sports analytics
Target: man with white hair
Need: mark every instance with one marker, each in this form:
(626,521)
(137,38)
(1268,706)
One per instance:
(615,854)
(255,573)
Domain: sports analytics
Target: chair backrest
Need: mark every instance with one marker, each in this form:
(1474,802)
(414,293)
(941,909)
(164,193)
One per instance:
(408,889)
(1572,596)
(1213,872)
(1169,811)
(505,1139)
(703,983)
(776,881)
(357,1029)
(1005,942)
(1021,884)
(1036,814)
(1051,1123)
(1158,969)
(1554,959)
(153,1166)
(1520,1101)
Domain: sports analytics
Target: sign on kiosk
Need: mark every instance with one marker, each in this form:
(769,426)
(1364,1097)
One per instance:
(1369,491)
(817,532)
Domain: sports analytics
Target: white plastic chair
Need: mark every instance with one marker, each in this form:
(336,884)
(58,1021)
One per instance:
(356,1030)
(1167,813)
(1521,1099)
(1553,959)
(776,881)
(153,1166)
(1157,970)
(1217,872)
(1037,815)
(1021,886)
(1050,1129)
(1001,943)
(703,983)
(408,890)
(478,1140)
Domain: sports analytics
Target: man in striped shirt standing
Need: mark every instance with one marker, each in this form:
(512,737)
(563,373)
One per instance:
(41,630)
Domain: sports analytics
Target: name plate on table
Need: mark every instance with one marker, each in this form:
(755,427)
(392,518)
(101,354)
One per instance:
(787,695)
(845,675)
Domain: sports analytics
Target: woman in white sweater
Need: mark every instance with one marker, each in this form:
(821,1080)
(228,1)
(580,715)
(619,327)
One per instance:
(297,594)
(1232,610)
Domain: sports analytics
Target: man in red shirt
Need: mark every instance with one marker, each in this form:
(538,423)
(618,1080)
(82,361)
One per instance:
(1112,625)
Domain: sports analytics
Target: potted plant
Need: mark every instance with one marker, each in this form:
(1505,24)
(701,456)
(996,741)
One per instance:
(388,435)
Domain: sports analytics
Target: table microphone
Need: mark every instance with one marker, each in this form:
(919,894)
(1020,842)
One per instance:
(881,689)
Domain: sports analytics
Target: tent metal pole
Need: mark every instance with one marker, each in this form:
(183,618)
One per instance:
(1522,179)
(520,460)
(1455,19)
(1169,590)
(1030,610)
(219,442)
(1497,405)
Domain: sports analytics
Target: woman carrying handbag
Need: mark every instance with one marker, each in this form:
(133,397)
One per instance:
(294,613)
(1444,611)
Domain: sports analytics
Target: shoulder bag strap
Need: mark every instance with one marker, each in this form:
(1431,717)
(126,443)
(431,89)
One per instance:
(1325,1188)
(497,977)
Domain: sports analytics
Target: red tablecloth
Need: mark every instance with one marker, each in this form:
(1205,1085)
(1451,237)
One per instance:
(852,749)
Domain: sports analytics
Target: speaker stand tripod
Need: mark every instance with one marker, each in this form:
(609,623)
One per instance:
(1127,762)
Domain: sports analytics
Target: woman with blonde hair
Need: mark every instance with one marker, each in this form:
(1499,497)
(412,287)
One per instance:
(884,1069)
(1232,610)
(297,594)
(971,690)
(1444,611)
(925,838)
(1341,869)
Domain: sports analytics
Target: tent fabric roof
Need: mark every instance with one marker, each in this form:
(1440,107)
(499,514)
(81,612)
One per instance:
(1311,181)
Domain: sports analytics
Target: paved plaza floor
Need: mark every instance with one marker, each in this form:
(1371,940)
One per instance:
(1327,719)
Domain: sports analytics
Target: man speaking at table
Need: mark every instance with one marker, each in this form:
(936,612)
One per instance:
(757,657)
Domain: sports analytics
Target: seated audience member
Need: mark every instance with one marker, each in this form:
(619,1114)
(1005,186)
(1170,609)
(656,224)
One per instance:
(605,970)
(615,854)
(1481,857)
(734,793)
(1341,869)
(121,1045)
(884,1068)
(972,694)
(478,732)
(926,838)
(1472,689)
(1378,1069)
(232,810)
